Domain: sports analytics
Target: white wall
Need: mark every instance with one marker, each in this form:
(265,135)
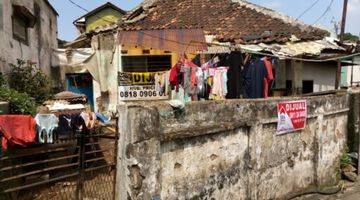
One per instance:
(323,75)
(356,73)
(41,42)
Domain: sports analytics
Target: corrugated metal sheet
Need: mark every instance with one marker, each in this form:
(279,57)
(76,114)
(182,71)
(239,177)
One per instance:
(294,49)
(176,40)
(289,49)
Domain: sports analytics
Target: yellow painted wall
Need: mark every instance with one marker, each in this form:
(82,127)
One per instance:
(102,18)
(138,51)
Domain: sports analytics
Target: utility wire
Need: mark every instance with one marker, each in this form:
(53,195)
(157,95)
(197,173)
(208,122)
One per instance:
(86,10)
(77,5)
(325,12)
(307,10)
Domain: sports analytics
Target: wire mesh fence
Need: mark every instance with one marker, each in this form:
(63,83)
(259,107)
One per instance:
(82,168)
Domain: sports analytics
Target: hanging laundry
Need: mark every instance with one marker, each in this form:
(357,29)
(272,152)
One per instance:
(161,83)
(17,130)
(188,70)
(269,77)
(89,119)
(69,125)
(219,89)
(234,76)
(175,77)
(200,82)
(102,118)
(46,124)
(253,79)
(65,128)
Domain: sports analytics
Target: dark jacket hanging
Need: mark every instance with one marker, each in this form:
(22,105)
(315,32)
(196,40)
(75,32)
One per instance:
(234,76)
(253,75)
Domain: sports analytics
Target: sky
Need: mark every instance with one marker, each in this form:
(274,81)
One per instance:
(324,13)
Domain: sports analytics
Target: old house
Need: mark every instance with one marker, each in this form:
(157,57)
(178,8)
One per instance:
(350,74)
(101,16)
(247,27)
(76,74)
(28,31)
(155,35)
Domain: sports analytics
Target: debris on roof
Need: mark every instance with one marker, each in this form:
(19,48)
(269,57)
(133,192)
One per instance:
(288,49)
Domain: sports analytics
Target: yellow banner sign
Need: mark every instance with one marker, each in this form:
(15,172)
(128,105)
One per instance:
(137,78)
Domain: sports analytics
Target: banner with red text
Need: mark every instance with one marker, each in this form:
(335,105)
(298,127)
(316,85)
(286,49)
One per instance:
(291,116)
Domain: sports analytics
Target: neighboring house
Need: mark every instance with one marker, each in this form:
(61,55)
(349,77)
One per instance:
(153,36)
(246,26)
(76,79)
(28,31)
(101,16)
(350,75)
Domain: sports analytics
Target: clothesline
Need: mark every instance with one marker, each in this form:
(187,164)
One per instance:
(255,52)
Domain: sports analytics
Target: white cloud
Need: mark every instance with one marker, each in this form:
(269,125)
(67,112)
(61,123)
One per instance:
(353,22)
(354,6)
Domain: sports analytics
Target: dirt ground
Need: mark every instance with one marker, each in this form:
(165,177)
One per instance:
(351,191)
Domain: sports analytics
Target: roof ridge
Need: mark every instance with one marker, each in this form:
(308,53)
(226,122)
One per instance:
(275,14)
(101,7)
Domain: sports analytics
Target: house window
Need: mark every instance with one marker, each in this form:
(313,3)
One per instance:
(288,87)
(146,63)
(22,19)
(308,87)
(20,29)
(1,15)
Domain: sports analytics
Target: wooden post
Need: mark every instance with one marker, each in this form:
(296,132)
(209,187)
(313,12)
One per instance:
(343,22)
(338,75)
(352,73)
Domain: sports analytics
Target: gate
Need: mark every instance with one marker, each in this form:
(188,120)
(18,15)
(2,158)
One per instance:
(80,167)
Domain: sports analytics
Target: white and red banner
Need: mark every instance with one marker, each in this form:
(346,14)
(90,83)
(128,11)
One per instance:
(291,116)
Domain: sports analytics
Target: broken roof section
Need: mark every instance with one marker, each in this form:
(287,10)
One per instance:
(228,20)
(290,49)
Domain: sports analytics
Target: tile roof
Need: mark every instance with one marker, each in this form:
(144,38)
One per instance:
(229,20)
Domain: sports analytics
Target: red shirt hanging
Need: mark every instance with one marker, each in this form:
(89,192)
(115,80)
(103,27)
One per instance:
(269,78)
(17,130)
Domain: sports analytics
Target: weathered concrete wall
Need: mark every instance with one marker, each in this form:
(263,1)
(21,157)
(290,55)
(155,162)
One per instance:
(42,37)
(4,107)
(354,120)
(228,150)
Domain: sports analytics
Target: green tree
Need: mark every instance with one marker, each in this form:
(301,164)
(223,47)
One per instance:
(20,103)
(29,79)
(350,37)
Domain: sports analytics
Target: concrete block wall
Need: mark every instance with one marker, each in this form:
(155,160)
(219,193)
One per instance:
(228,150)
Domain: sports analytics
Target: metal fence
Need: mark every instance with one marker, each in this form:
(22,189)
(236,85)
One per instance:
(83,167)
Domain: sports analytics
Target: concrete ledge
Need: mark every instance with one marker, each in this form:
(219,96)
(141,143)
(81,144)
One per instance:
(4,108)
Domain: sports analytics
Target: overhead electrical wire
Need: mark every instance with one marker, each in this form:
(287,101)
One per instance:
(77,5)
(325,12)
(191,43)
(307,10)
